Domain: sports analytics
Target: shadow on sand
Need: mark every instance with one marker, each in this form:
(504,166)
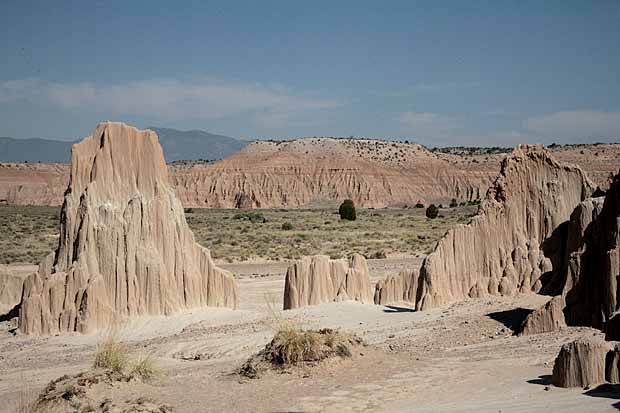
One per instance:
(512,319)
(609,391)
(397,309)
(543,380)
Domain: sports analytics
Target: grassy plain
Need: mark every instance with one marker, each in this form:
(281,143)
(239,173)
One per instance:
(27,233)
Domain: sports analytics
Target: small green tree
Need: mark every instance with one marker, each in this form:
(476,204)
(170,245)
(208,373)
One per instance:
(453,203)
(432,211)
(347,210)
(419,205)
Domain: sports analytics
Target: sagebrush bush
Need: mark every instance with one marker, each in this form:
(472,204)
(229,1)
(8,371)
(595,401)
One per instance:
(419,205)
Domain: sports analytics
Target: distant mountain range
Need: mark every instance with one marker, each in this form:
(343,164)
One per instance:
(178,145)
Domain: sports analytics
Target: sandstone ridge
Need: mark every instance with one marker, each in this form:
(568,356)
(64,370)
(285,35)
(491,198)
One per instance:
(125,248)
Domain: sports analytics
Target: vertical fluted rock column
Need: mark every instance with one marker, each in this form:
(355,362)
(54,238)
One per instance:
(317,279)
(125,248)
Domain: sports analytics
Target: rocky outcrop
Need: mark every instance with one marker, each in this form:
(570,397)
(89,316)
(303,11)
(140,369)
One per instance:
(502,250)
(548,318)
(318,171)
(315,171)
(593,266)
(580,363)
(125,248)
(612,365)
(588,264)
(401,288)
(10,290)
(317,279)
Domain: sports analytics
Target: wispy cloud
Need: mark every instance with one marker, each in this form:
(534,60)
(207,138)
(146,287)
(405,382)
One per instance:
(419,88)
(173,99)
(578,125)
(428,125)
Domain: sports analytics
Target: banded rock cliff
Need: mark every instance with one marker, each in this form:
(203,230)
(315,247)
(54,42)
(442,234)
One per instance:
(313,171)
(317,279)
(502,250)
(125,248)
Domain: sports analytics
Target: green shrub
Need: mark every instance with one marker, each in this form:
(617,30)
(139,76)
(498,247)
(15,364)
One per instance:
(287,226)
(419,205)
(432,211)
(347,210)
(453,203)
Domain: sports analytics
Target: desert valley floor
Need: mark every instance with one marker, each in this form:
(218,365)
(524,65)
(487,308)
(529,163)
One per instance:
(460,357)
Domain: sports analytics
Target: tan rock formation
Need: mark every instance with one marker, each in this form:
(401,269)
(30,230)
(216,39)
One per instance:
(501,250)
(313,171)
(401,288)
(33,183)
(125,248)
(548,318)
(10,290)
(580,363)
(317,279)
(589,264)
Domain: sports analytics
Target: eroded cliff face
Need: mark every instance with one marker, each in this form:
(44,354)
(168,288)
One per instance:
(505,249)
(502,250)
(33,184)
(321,170)
(315,171)
(317,279)
(588,266)
(125,248)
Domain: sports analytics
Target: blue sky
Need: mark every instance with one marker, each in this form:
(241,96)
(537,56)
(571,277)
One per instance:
(441,73)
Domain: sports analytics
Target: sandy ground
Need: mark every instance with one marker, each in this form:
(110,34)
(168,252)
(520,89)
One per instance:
(458,358)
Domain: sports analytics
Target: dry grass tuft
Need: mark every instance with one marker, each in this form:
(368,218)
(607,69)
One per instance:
(145,368)
(111,354)
(292,346)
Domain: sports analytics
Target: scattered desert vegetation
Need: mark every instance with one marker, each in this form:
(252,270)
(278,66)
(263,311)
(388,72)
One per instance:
(88,390)
(114,356)
(294,347)
(29,232)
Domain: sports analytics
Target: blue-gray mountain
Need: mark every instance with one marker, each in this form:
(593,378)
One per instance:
(178,145)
